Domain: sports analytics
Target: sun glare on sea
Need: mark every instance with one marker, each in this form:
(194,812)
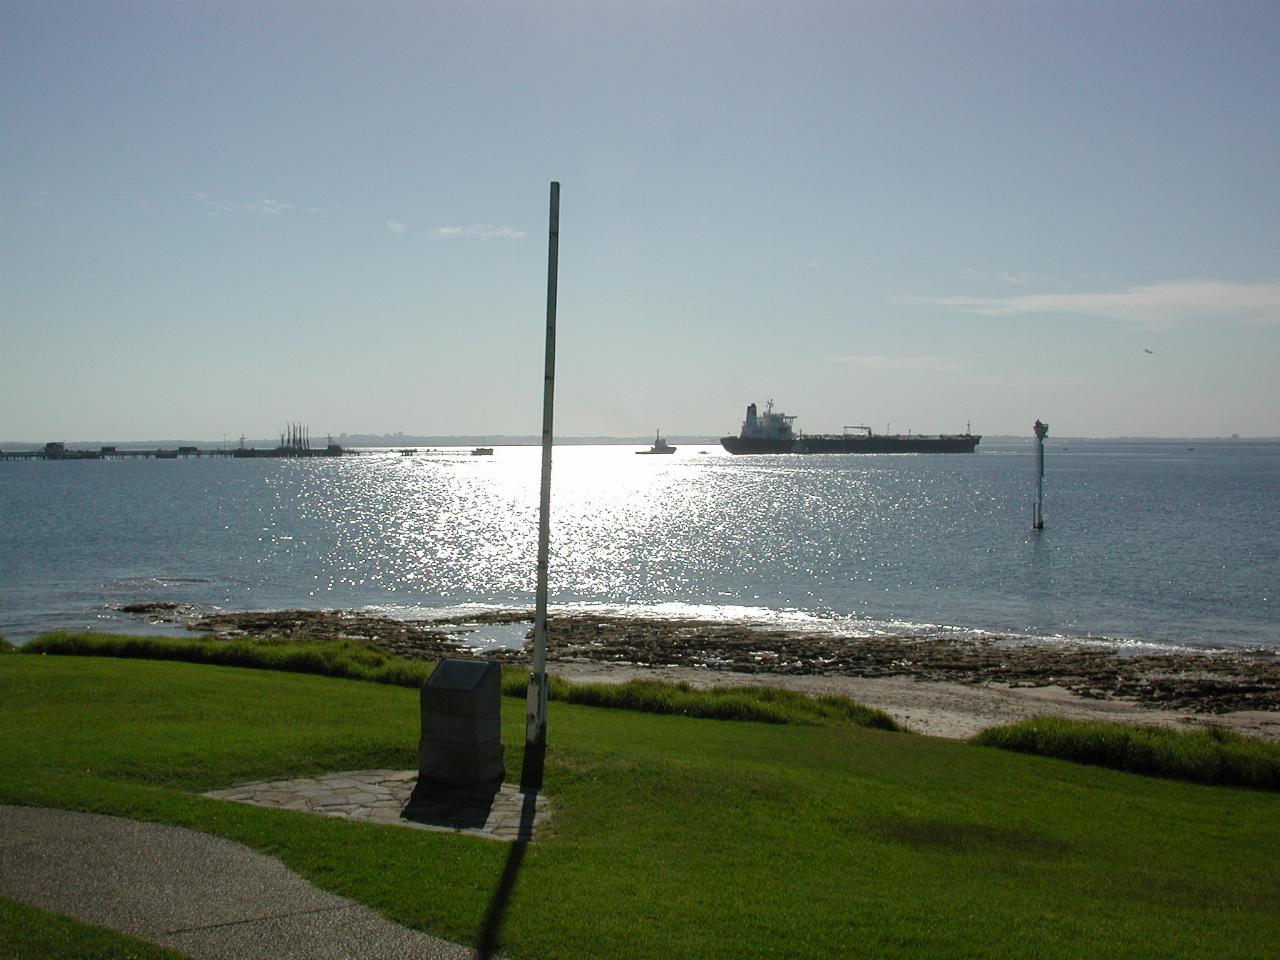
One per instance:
(445,522)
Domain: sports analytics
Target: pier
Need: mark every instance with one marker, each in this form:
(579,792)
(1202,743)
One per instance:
(181,453)
(104,453)
(295,441)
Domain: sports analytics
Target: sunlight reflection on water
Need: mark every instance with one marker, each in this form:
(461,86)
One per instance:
(1167,549)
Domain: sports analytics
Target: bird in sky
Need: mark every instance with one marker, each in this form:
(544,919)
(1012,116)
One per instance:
(1145,350)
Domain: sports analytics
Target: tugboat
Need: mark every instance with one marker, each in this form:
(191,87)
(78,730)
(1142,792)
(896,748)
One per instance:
(659,446)
(772,433)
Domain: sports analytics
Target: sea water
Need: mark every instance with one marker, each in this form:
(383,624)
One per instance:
(1144,543)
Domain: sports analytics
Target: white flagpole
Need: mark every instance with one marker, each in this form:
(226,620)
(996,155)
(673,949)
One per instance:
(536,716)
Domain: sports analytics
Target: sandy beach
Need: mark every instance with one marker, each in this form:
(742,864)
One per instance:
(947,687)
(940,708)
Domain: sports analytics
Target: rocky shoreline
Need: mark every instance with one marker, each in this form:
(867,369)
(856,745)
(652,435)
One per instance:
(1199,683)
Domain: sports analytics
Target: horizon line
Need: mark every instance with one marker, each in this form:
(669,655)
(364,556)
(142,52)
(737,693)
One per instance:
(515,440)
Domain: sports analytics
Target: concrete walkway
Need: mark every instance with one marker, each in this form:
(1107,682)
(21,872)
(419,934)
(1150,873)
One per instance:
(199,895)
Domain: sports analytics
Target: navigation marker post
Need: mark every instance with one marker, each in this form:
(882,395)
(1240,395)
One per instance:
(536,713)
(1037,510)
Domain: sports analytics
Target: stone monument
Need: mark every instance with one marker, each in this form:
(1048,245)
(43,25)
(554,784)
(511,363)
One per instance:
(461,743)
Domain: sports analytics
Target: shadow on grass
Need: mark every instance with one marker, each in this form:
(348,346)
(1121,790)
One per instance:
(530,783)
(950,836)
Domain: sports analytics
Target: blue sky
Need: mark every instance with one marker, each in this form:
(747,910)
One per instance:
(220,217)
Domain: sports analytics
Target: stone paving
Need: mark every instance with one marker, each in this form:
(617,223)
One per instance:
(387,796)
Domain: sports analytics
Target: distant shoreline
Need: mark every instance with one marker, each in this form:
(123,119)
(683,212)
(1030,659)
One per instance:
(391,441)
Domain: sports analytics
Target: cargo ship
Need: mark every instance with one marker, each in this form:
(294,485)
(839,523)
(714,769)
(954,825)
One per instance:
(771,432)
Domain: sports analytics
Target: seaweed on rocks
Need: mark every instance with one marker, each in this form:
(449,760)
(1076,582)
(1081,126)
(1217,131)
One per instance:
(1198,682)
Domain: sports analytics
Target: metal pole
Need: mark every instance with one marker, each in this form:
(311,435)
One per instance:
(536,715)
(1037,513)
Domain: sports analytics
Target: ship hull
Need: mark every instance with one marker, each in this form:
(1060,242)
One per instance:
(851,443)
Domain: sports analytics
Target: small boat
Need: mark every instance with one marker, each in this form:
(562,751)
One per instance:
(482,452)
(659,446)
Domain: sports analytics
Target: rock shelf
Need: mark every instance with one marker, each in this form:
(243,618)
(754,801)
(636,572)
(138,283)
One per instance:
(1201,682)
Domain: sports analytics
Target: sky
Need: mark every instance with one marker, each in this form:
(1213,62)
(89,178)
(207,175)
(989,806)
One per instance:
(221,217)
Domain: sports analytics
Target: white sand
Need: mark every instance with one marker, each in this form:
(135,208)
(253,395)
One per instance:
(938,709)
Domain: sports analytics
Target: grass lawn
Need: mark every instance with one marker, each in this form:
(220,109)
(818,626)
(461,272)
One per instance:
(28,934)
(672,836)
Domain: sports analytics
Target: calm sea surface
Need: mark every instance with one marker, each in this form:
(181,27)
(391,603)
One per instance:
(1146,543)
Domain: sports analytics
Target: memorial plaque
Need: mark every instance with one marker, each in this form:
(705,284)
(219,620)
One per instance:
(461,742)
(459,674)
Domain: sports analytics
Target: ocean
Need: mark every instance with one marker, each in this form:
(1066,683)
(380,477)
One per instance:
(1146,544)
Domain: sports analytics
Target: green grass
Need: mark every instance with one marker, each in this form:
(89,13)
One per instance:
(335,658)
(30,934)
(357,661)
(1214,756)
(674,836)
(750,703)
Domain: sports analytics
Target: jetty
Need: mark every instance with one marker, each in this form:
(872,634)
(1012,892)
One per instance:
(295,441)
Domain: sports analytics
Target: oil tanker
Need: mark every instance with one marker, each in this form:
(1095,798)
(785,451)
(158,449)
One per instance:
(771,432)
